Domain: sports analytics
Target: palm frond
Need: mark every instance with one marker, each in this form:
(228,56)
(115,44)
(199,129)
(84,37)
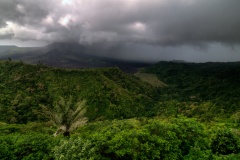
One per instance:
(66,114)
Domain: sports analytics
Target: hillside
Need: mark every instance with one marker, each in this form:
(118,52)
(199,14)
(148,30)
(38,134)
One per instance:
(110,93)
(19,53)
(6,48)
(206,91)
(183,117)
(203,90)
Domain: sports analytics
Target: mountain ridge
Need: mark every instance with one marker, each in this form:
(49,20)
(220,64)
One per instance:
(69,55)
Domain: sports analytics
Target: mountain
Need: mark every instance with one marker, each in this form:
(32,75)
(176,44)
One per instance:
(4,49)
(68,55)
(19,53)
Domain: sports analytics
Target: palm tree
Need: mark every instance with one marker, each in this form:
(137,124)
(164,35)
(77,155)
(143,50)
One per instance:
(66,115)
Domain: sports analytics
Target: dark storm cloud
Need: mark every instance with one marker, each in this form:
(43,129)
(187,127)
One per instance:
(24,11)
(8,10)
(200,21)
(152,22)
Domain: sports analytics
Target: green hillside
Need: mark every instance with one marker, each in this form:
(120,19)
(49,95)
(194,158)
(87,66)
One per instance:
(170,111)
(207,91)
(110,93)
(204,90)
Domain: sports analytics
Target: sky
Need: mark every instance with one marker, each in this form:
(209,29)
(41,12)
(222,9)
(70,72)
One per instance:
(146,30)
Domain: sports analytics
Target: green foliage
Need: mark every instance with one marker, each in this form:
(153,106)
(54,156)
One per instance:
(5,148)
(148,139)
(197,153)
(43,128)
(74,149)
(191,133)
(66,115)
(225,142)
(236,118)
(110,93)
(227,157)
(203,90)
(208,92)
(138,144)
(30,146)
(143,138)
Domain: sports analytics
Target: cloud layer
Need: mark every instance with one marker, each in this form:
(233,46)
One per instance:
(152,22)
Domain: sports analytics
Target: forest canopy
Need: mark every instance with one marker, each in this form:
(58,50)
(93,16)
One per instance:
(194,114)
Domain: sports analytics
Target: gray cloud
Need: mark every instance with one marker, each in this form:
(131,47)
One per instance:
(119,25)
(156,22)
(2,23)
(6,35)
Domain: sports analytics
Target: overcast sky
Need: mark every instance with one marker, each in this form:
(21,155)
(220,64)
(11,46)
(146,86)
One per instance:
(191,30)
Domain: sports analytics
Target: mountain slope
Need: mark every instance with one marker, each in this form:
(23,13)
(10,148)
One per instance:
(204,90)
(6,48)
(68,55)
(110,93)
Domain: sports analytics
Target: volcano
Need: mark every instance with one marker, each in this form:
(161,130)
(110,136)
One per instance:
(67,55)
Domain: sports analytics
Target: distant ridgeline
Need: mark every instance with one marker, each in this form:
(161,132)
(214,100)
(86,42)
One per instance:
(205,91)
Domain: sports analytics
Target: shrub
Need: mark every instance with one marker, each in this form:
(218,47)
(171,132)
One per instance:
(225,142)
(5,148)
(74,149)
(31,146)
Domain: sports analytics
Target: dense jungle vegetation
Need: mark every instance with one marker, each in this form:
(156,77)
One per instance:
(192,112)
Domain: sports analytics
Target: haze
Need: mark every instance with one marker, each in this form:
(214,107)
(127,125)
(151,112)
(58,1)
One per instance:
(142,30)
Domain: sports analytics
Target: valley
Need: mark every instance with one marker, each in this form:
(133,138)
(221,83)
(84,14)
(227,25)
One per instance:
(180,110)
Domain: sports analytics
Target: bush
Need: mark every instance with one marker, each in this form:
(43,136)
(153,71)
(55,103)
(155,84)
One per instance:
(74,149)
(198,154)
(225,142)
(6,144)
(191,134)
(178,138)
(31,146)
(140,144)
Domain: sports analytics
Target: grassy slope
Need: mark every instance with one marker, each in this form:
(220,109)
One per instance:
(151,79)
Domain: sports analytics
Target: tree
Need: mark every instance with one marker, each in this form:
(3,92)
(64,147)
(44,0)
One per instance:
(225,142)
(66,115)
